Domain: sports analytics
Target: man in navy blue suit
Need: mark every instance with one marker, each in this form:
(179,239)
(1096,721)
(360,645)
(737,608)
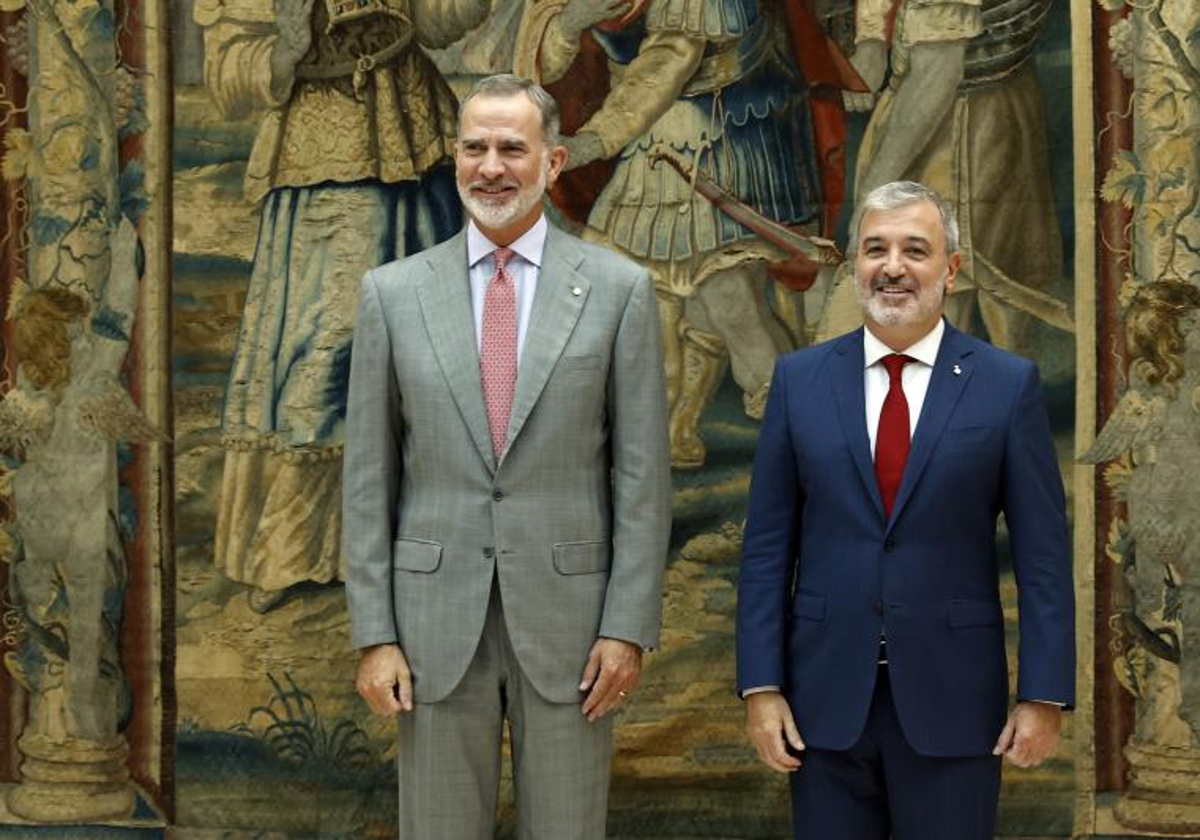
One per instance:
(870,632)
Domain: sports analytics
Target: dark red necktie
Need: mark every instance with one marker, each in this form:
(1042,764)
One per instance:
(892,439)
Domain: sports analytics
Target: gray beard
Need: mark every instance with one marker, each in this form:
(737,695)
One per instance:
(926,305)
(497,215)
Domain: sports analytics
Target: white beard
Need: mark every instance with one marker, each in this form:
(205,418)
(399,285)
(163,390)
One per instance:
(499,214)
(916,310)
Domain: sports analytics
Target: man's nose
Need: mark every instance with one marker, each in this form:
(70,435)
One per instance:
(893,266)
(491,166)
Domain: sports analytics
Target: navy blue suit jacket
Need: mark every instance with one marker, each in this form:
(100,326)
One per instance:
(824,573)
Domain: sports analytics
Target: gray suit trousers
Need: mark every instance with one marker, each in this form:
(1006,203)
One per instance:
(449,755)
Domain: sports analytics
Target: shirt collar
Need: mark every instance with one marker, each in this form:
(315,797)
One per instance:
(924,351)
(529,245)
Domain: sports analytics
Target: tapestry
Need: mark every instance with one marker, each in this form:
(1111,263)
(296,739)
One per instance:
(192,192)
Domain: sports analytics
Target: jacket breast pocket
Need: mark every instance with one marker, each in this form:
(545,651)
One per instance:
(588,361)
(409,555)
(585,557)
(967,436)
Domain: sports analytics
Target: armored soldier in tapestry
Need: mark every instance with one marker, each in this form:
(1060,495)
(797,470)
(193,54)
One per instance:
(963,112)
(352,164)
(713,84)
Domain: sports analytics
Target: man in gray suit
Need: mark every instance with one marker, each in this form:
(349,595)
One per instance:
(507,493)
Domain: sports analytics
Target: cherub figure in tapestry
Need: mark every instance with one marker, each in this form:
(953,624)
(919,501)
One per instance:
(1152,440)
(714,87)
(64,417)
(963,112)
(353,167)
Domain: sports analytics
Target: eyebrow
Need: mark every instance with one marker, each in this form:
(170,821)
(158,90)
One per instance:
(502,142)
(912,240)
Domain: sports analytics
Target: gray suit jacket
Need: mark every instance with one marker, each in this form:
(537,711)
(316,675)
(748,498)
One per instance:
(575,519)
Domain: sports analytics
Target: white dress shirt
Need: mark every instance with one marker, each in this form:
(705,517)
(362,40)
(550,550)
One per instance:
(914,379)
(522,268)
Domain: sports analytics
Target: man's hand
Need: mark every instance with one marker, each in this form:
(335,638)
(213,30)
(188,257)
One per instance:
(1031,734)
(870,62)
(612,671)
(768,723)
(384,680)
(582,149)
(578,15)
(293,20)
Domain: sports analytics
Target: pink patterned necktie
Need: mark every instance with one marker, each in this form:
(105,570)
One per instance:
(498,356)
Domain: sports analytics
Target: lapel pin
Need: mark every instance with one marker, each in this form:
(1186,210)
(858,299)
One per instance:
(575,290)
(957,370)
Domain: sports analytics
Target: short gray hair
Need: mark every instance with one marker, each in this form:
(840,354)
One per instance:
(509,84)
(899,194)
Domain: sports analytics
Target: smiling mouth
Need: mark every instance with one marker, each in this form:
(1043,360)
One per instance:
(493,190)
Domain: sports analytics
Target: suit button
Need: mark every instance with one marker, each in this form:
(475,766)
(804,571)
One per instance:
(889,544)
(497,495)
(488,551)
(878,608)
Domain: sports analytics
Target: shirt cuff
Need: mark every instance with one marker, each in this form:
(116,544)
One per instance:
(642,647)
(759,689)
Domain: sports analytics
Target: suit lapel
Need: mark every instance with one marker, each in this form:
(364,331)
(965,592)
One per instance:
(849,396)
(445,297)
(561,294)
(951,372)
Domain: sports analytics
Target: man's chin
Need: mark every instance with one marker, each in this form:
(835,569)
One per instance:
(493,215)
(892,315)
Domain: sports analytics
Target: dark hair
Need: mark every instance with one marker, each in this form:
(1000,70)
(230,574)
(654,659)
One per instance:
(508,84)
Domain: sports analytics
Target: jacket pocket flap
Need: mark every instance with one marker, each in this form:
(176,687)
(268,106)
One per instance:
(973,613)
(581,558)
(589,361)
(806,605)
(416,555)
(966,435)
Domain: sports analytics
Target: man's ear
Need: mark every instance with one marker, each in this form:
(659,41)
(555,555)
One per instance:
(952,270)
(556,160)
